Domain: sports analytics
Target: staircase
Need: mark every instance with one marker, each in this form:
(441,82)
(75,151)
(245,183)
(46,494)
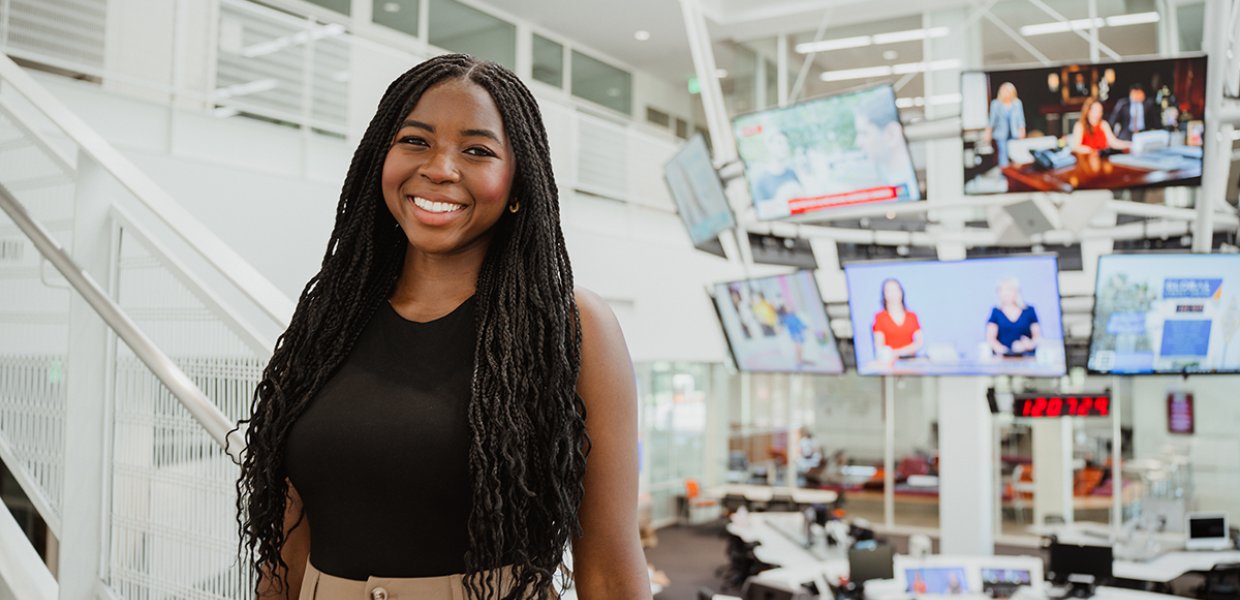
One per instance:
(121,373)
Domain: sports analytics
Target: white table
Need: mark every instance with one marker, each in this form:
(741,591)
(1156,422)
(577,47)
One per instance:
(764,493)
(1172,565)
(779,537)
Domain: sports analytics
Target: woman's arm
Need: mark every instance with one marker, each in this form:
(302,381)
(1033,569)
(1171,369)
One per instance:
(1112,141)
(1078,139)
(295,551)
(1030,342)
(607,558)
(1018,118)
(992,338)
(911,349)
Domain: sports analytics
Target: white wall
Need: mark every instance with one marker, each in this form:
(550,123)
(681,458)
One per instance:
(1214,448)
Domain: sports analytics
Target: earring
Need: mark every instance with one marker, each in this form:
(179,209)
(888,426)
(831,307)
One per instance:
(514,207)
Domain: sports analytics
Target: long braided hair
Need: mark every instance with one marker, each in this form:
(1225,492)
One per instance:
(529,444)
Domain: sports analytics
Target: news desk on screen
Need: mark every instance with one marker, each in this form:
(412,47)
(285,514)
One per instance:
(1092,171)
(1028,366)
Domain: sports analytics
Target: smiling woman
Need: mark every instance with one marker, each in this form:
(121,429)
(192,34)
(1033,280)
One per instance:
(445,411)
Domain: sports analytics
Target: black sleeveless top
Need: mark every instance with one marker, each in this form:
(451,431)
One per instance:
(380,457)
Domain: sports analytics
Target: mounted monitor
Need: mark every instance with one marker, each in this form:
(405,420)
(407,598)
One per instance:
(1166,313)
(778,324)
(819,154)
(698,193)
(1142,126)
(985,316)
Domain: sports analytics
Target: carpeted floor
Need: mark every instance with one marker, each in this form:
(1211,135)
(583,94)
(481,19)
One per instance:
(689,557)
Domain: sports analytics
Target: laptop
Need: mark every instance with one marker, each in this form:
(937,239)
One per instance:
(1207,531)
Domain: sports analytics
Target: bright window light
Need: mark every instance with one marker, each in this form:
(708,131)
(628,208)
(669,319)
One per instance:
(911,35)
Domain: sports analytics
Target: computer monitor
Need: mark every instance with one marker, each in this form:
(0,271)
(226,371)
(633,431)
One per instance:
(1073,559)
(1207,531)
(1006,580)
(936,580)
(865,564)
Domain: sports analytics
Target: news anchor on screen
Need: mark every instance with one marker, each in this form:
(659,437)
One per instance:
(1092,133)
(1006,121)
(897,332)
(1013,328)
(1133,114)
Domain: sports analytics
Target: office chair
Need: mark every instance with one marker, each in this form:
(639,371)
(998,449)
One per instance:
(1222,582)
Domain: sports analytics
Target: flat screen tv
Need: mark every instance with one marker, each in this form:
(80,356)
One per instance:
(1166,313)
(698,193)
(1084,126)
(778,324)
(833,151)
(984,316)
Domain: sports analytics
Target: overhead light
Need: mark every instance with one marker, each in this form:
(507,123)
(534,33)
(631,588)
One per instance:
(721,73)
(878,39)
(223,112)
(391,7)
(911,35)
(295,39)
(890,55)
(1084,24)
(641,35)
(837,44)
(862,73)
(885,71)
(1132,19)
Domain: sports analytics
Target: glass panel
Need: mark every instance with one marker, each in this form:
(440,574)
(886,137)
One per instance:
(459,28)
(602,83)
(401,15)
(340,6)
(548,61)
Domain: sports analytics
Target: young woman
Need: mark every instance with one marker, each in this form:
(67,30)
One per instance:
(1013,328)
(445,411)
(1092,133)
(897,332)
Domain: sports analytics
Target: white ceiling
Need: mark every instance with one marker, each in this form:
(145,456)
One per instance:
(608,27)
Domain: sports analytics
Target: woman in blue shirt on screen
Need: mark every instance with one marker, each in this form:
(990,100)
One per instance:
(1007,121)
(1013,328)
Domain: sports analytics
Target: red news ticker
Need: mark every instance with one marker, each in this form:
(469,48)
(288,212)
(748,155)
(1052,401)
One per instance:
(878,194)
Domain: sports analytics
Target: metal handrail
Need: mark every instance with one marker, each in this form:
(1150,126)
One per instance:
(211,248)
(212,419)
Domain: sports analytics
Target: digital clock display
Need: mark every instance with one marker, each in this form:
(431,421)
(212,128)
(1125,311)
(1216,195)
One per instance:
(1084,405)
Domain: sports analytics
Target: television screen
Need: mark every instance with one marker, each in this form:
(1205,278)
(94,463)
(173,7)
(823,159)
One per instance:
(1166,313)
(833,151)
(698,192)
(778,324)
(936,581)
(1142,126)
(984,316)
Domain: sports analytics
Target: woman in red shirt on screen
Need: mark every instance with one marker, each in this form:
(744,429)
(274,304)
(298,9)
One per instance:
(897,332)
(1092,133)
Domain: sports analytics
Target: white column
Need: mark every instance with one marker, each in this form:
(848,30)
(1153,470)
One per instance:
(139,48)
(944,160)
(712,94)
(966,467)
(86,409)
(1052,469)
(1217,149)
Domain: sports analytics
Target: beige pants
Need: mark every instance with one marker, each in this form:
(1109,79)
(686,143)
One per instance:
(321,586)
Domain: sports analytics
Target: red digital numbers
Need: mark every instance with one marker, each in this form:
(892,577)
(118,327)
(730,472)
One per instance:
(1063,406)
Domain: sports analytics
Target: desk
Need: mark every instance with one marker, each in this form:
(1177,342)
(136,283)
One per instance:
(764,493)
(1160,569)
(1091,172)
(779,537)
(887,590)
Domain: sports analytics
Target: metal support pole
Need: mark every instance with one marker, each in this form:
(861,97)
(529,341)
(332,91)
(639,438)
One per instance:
(1217,149)
(712,94)
(82,529)
(1117,447)
(1094,51)
(889,451)
(781,64)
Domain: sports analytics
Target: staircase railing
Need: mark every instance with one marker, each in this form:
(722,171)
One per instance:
(120,448)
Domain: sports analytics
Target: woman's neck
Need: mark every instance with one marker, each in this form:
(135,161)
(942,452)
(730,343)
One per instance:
(431,282)
(895,309)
